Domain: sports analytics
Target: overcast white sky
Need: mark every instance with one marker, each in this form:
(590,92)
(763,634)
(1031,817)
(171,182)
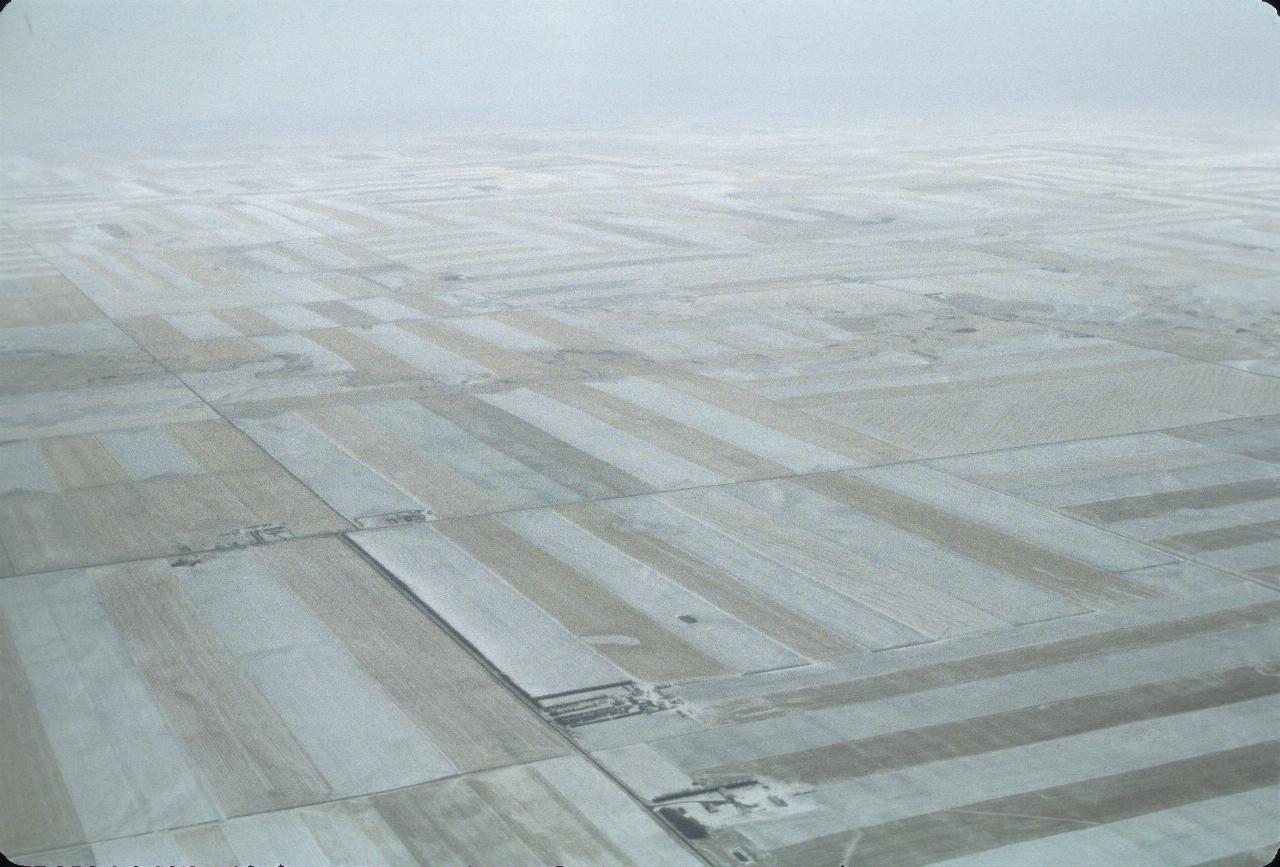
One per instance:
(117,69)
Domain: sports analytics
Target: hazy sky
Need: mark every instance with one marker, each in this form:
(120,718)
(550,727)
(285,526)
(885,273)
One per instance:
(115,69)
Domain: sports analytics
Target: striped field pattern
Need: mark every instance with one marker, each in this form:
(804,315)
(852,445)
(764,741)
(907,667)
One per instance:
(811,497)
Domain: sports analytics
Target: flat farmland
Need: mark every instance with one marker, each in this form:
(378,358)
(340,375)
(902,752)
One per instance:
(810,497)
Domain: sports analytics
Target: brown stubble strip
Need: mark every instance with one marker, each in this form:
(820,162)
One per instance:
(571,338)
(40,533)
(1224,537)
(999,731)
(470,717)
(271,495)
(249,759)
(504,363)
(420,475)
(440,822)
(47,310)
(994,664)
(1071,579)
(194,509)
(718,587)
(343,314)
(35,805)
(218,354)
(1151,505)
(220,447)
(205,844)
(373,364)
(977,827)
(672,436)
(859,447)
(913,603)
(552,457)
(80,461)
(549,823)
(151,331)
(118,521)
(248,321)
(580,604)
